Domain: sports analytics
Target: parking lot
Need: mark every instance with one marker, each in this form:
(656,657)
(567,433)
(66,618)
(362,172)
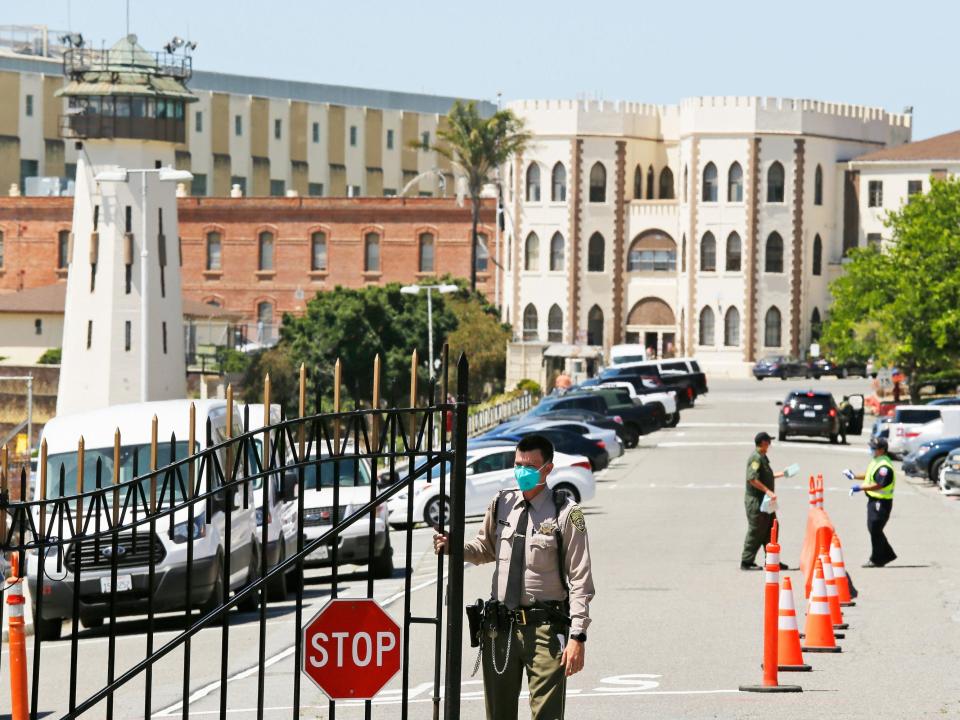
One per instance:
(676,625)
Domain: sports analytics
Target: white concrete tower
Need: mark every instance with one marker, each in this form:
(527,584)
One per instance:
(127,113)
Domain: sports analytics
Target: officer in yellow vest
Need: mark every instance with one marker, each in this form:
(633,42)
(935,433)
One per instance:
(878,483)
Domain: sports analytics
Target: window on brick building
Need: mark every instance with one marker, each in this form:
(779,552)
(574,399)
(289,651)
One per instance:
(371,252)
(596,253)
(709,183)
(530,323)
(214,250)
(914,187)
(771,328)
(875,193)
(559,183)
(531,252)
(63,249)
(533,183)
(773,257)
(264,322)
(556,252)
(555,324)
(818,186)
(708,253)
(731,327)
(734,253)
(776,179)
(426,252)
(707,333)
(595,326)
(318,251)
(735,183)
(483,253)
(265,251)
(598,183)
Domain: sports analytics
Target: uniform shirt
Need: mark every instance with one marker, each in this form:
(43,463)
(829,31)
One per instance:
(758,468)
(883,476)
(541,577)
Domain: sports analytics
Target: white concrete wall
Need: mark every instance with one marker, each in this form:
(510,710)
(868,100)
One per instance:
(318,162)
(356,167)
(240,164)
(392,173)
(19,330)
(201,143)
(279,148)
(31,128)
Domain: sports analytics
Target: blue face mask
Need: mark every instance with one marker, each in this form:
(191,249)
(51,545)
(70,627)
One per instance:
(527,477)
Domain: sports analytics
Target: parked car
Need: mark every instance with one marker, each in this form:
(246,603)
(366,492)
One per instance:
(945,401)
(639,418)
(625,397)
(632,352)
(628,436)
(658,394)
(780,366)
(949,478)
(915,424)
(569,443)
(927,460)
(674,369)
(489,470)
(351,476)
(609,438)
(643,379)
(168,548)
(811,414)
(823,366)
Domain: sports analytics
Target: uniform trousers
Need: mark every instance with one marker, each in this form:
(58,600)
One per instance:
(878,513)
(536,651)
(759,525)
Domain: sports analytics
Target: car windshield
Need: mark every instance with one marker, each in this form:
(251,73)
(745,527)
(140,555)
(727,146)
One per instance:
(351,471)
(68,461)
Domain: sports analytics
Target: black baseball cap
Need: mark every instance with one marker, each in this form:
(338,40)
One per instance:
(879,442)
(762,437)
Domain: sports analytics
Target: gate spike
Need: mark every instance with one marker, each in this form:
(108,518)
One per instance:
(413,397)
(3,492)
(337,369)
(191,444)
(302,409)
(78,529)
(116,477)
(266,426)
(43,488)
(228,470)
(376,404)
(153,465)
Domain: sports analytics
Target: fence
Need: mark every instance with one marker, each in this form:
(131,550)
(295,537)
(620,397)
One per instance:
(179,539)
(489,417)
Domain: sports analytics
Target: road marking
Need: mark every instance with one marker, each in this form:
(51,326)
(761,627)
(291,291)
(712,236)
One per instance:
(738,443)
(683,425)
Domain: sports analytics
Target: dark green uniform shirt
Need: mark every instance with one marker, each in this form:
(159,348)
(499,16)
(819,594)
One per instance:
(758,468)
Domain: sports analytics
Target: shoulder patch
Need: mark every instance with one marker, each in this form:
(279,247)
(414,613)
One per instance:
(755,465)
(576,517)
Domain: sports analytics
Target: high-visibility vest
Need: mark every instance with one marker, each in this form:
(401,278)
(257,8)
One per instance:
(884,493)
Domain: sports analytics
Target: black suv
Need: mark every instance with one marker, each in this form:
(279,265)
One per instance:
(641,419)
(816,414)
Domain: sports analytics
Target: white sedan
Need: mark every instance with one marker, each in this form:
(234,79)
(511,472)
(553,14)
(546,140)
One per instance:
(489,470)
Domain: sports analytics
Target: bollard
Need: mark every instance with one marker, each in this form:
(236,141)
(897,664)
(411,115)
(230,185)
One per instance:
(771,621)
(19,704)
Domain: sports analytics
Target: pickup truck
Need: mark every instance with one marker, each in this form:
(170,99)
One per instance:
(685,385)
(642,419)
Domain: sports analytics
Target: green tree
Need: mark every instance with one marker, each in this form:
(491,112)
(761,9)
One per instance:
(483,338)
(478,146)
(901,305)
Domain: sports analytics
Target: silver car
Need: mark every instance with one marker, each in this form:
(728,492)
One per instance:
(950,474)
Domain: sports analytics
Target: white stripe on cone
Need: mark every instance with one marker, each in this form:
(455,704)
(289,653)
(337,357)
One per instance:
(818,607)
(788,622)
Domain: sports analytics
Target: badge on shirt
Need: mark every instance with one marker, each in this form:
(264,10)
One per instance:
(576,517)
(547,527)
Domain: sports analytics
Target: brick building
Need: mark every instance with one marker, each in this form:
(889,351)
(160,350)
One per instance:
(261,257)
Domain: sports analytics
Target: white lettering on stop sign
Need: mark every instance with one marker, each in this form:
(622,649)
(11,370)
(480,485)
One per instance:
(361,648)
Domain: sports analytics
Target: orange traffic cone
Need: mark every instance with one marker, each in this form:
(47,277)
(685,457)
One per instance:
(833,598)
(789,654)
(840,573)
(813,493)
(819,626)
(19,703)
(820,490)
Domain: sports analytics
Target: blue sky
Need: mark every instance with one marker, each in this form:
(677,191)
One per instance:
(875,53)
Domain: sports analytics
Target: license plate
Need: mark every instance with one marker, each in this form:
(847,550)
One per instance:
(809,413)
(321,553)
(124,583)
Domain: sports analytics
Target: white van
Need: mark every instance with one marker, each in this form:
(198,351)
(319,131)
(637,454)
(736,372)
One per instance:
(914,425)
(633,352)
(167,549)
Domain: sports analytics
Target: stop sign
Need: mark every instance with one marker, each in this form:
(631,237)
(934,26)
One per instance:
(351,649)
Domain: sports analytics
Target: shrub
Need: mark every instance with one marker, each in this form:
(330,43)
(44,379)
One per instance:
(51,357)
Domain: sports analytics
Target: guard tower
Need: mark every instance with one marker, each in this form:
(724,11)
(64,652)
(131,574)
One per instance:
(123,321)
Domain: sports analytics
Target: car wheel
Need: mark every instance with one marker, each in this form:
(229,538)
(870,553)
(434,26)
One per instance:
(567,490)
(631,440)
(834,439)
(781,436)
(251,602)
(47,628)
(816,377)
(935,468)
(783,375)
(760,378)
(277,585)
(91,622)
(842,373)
(673,420)
(431,511)
(382,567)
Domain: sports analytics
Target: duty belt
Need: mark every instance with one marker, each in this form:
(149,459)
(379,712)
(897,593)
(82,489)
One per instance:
(535,615)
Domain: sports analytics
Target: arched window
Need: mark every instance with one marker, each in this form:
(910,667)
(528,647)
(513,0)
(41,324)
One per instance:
(816,325)
(734,253)
(533,183)
(773,257)
(818,186)
(63,249)
(595,253)
(264,322)
(595,326)
(426,252)
(771,328)
(666,184)
(637,183)
(531,253)
(556,252)
(318,251)
(558,193)
(686,181)
(265,251)
(708,253)
(735,183)
(555,324)
(651,180)
(707,321)
(652,251)
(371,252)
(530,321)
(817,255)
(683,253)
(710,183)
(598,183)
(775,183)
(731,327)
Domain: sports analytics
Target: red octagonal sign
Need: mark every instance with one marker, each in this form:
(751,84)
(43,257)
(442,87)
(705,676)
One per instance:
(351,649)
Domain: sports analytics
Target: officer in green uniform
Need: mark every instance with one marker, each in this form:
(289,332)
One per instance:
(877,483)
(760,483)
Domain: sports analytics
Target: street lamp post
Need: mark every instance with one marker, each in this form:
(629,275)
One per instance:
(415,290)
(164,174)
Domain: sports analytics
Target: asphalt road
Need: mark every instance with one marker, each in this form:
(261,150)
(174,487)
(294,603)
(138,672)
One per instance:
(676,625)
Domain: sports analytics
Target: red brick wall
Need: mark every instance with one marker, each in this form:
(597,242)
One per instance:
(30,227)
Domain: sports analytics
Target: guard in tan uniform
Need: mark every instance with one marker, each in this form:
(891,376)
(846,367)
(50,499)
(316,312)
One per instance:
(537,619)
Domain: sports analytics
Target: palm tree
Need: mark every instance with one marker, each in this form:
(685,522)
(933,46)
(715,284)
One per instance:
(478,146)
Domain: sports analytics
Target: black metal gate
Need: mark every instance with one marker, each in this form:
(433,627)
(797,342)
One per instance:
(149,532)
